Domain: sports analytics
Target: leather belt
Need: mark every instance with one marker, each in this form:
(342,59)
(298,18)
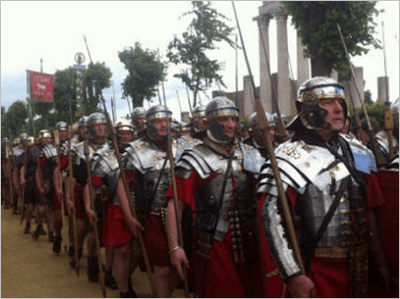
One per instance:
(331,252)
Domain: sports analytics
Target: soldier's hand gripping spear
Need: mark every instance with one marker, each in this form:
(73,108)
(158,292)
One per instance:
(126,189)
(264,126)
(177,213)
(95,228)
(64,232)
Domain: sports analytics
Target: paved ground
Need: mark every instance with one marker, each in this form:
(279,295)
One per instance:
(29,269)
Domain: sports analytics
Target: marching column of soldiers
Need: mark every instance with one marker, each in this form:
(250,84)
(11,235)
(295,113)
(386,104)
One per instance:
(204,211)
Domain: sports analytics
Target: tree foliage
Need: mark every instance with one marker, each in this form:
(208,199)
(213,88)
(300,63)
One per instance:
(15,118)
(146,72)
(206,29)
(96,77)
(65,95)
(316,21)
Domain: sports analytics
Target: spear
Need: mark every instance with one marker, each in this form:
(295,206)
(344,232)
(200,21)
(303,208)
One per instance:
(72,197)
(60,181)
(264,126)
(388,112)
(95,228)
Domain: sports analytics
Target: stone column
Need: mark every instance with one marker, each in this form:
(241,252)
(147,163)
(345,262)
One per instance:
(382,94)
(303,64)
(265,81)
(358,71)
(284,86)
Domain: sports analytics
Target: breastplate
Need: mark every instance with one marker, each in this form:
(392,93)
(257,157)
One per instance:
(236,208)
(348,223)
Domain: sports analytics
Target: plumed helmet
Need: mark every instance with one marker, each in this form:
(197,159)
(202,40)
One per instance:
(311,114)
(153,113)
(219,107)
(62,126)
(23,136)
(16,141)
(253,120)
(123,125)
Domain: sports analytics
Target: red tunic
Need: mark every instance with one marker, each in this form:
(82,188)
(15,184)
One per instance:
(115,230)
(222,276)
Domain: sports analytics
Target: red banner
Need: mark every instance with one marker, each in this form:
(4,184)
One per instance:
(41,87)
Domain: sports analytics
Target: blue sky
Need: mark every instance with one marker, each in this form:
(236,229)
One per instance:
(53,31)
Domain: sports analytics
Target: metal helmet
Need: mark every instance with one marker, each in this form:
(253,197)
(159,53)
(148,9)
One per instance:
(62,126)
(5,139)
(395,109)
(82,122)
(44,134)
(153,113)
(176,127)
(253,120)
(16,141)
(311,114)
(199,113)
(124,125)
(31,141)
(23,136)
(276,118)
(96,118)
(139,113)
(219,107)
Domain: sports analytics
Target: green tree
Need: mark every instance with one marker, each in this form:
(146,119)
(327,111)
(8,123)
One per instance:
(3,122)
(368,97)
(146,72)
(65,100)
(15,118)
(204,32)
(96,77)
(315,22)
(43,109)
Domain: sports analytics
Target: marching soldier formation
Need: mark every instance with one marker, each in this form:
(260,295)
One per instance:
(213,212)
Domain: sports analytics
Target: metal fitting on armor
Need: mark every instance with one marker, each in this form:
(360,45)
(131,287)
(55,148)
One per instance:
(311,114)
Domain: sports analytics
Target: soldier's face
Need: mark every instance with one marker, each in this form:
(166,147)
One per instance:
(46,140)
(63,135)
(335,114)
(100,130)
(229,123)
(125,137)
(161,124)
